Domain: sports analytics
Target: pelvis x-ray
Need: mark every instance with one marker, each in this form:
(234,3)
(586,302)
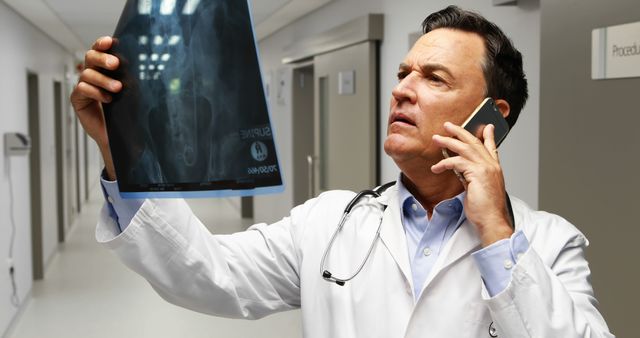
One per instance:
(192,119)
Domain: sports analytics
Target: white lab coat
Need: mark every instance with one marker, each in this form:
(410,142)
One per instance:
(271,268)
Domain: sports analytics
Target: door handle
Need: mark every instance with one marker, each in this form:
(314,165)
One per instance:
(311,175)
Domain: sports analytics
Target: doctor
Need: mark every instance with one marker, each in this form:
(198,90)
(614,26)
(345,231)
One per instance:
(448,262)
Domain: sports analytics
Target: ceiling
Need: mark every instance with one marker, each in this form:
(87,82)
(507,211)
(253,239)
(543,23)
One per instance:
(75,24)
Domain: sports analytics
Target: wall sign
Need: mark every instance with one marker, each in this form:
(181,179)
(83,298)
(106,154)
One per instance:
(347,82)
(615,51)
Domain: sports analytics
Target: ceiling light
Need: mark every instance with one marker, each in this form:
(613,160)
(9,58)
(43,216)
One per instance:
(158,40)
(165,57)
(142,57)
(152,67)
(144,6)
(174,39)
(167,6)
(190,7)
(142,67)
(160,67)
(154,57)
(143,39)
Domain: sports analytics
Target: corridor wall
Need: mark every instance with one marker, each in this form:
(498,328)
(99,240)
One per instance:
(589,150)
(26,49)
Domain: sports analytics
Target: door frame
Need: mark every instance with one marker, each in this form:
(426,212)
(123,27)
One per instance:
(33,112)
(303,133)
(59,136)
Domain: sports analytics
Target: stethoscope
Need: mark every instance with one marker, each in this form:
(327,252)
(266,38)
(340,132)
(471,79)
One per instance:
(345,215)
(377,192)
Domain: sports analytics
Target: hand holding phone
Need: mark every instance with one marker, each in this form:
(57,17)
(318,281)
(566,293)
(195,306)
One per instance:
(486,113)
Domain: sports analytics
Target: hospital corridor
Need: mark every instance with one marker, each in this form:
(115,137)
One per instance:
(360,160)
(87,292)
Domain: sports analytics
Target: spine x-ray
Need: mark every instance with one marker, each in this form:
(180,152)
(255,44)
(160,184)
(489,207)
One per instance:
(192,119)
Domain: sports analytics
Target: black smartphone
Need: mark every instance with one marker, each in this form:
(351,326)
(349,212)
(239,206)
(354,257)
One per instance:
(486,113)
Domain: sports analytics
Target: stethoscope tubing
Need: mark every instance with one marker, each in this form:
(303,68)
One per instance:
(327,275)
(341,281)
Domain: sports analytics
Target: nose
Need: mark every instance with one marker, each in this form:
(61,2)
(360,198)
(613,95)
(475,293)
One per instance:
(404,90)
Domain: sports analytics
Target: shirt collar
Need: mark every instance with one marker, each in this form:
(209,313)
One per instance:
(404,196)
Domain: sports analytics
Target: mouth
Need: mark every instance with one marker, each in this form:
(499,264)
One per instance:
(402,118)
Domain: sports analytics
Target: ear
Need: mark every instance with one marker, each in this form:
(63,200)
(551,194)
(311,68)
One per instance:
(504,107)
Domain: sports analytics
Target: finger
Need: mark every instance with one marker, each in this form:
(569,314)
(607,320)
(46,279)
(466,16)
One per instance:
(100,80)
(461,133)
(103,43)
(88,91)
(461,178)
(456,146)
(97,59)
(489,140)
(452,163)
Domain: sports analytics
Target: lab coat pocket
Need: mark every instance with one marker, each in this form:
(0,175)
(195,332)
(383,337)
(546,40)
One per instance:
(478,321)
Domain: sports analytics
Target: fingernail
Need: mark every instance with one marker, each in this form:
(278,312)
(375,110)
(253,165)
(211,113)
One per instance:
(110,61)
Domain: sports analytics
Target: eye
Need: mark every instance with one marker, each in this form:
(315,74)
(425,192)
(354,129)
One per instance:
(402,75)
(435,80)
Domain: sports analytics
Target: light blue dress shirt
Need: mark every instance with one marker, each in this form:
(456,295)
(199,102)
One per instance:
(121,210)
(425,238)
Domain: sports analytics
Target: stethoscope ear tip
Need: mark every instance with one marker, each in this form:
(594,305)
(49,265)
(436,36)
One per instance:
(327,276)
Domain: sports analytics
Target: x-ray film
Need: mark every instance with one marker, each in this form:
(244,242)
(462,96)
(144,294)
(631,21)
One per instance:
(192,119)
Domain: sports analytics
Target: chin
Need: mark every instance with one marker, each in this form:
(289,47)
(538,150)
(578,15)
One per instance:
(403,150)
(397,148)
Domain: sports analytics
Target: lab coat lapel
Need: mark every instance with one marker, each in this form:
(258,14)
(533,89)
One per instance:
(464,241)
(392,233)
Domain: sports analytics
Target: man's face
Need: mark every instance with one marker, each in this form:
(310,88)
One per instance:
(441,79)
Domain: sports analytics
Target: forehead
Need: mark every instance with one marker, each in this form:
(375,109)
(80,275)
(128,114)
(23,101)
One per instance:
(455,49)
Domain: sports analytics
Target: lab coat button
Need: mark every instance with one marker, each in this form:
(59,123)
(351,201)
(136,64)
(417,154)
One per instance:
(508,264)
(110,199)
(414,207)
(426,251)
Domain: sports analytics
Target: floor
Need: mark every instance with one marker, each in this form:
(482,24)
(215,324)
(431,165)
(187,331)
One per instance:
(88,293)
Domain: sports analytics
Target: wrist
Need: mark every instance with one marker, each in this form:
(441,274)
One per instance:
(108,162)
(495,233)
(104,148)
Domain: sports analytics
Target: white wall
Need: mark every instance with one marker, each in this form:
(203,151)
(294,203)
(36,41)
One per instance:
(24,48)
(81,159)
(95,164)
(519,153)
